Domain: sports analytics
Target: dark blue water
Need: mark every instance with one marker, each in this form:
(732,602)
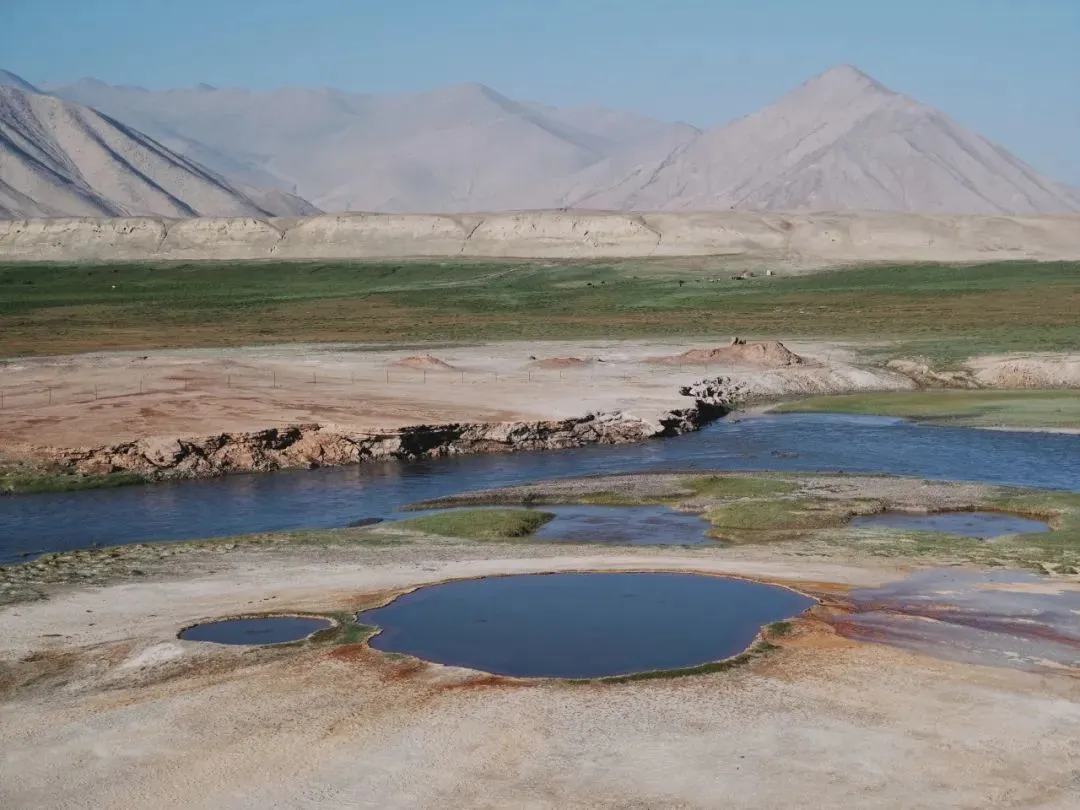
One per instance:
(967,524)
(268,630)
(334,497)
(580,625)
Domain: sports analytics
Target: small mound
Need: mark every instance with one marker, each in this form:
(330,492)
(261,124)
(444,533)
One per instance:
(425,362)
(561,362)
(766,354)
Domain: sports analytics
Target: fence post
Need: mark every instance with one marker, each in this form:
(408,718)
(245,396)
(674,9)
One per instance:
(388,375)
(273,381)
(50,395)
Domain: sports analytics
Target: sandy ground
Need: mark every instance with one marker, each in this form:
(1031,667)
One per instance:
(99,399)
(113,711)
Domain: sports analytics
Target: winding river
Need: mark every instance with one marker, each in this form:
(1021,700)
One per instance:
(334,497)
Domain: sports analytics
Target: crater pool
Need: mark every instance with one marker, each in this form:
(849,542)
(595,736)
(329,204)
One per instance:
(580,625)
(262,630)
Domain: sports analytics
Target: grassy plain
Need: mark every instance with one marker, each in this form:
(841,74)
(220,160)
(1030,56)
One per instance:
(943,312)
(1024,409)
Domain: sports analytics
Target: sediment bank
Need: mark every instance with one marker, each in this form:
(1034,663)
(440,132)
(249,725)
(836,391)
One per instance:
(822,238)
(313,445)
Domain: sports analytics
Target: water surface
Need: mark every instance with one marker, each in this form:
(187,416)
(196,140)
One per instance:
(330,498)
(580,625)
(265,630)
(966,524)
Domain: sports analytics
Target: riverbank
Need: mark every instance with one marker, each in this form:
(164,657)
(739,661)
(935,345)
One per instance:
(122,414)
(1056,411)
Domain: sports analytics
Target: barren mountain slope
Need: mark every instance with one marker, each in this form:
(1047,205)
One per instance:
(458,148)
(840,141)
(58,158)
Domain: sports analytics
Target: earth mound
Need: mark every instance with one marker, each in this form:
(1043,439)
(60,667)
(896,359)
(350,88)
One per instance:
(562,362)
(762,355)
(425,362)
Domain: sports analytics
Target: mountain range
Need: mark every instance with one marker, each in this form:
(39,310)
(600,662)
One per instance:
(840,141)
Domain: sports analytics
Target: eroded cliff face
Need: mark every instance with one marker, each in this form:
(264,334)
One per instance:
(313,445)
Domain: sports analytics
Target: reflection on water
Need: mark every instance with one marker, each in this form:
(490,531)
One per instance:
(330,498)
(265,630)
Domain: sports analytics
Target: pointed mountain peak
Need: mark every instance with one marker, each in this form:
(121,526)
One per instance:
(845,80)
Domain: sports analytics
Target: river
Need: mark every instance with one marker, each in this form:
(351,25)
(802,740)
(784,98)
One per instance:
(333,497)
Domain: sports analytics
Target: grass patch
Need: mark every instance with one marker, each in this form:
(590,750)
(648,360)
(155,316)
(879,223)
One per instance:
(939,311)
(780,629)
(780,518)
(478,524)
(18,481)
(1034,409)
(735,486)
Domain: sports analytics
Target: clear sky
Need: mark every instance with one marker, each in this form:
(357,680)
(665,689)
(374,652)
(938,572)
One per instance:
(1007,68)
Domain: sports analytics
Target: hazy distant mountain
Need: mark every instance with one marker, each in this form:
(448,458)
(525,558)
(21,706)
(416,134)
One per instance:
(841,141)
(463,147)
(58,158)
(9,79)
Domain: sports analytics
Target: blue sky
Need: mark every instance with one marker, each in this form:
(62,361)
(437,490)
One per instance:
(1007,68)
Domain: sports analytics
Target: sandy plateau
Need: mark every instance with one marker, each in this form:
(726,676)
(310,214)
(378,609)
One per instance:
(92,400)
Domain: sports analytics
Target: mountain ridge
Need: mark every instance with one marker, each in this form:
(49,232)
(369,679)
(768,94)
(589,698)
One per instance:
(58,158)
(839,141)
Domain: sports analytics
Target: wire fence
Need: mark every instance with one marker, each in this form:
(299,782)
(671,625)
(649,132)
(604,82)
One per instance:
(28,395)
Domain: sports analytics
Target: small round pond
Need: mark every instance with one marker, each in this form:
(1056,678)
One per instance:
(262,630)
(580,625)
(965,524)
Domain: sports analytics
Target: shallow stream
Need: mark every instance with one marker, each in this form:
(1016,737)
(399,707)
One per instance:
(334,497)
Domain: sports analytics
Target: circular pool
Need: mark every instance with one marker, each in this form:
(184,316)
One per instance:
(581,625)
(259,630)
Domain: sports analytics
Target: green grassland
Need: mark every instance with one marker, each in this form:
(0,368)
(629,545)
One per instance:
(943,312)
(1025,409)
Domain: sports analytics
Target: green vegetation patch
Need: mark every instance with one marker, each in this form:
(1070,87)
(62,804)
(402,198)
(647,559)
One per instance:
(777,519)
(971,408)
(478,524)
(943,312)
(723,487)
(24,482)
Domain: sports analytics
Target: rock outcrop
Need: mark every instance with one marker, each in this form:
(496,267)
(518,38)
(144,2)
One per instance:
(313,445)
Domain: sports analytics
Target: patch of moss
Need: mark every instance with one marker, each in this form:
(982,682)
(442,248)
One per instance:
(723,487)
(780,519)
(478,524)
(780,629)
(21,481)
